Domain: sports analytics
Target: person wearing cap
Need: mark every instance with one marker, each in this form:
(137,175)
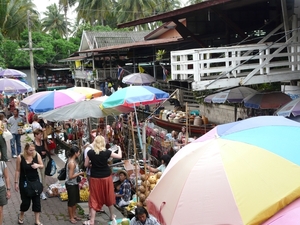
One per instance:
(124,189)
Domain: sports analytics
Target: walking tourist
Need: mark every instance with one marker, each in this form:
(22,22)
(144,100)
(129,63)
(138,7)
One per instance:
(4,187)
(42,149)
(100,178)
(14,123)
(72,172)
(27,165)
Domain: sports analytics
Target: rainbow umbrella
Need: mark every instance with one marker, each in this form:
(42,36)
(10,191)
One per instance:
(75,110)
(135,95)
(238,173)
(289,215)
(87,91)
(53,100)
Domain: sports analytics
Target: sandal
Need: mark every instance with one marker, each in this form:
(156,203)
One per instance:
(20,221)
(73,221)
(87,222)
(77,218)
(38,223)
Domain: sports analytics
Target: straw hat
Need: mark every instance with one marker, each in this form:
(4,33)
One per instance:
(124,172)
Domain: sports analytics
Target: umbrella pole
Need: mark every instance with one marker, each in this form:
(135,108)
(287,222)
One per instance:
(135,156)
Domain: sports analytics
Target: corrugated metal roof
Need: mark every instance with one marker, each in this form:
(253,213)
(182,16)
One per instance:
(134,45)
(110,41)
(186,11)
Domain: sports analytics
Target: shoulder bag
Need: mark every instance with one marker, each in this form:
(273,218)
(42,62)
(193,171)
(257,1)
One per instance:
(62,174)
(32,188)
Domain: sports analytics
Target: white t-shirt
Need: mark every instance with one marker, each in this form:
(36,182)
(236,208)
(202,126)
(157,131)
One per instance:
(35,125)
(88,170)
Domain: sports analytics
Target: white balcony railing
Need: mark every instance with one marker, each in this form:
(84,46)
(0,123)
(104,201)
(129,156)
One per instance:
(237,65)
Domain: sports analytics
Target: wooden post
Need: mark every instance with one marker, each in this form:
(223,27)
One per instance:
(186,124)
(135,156)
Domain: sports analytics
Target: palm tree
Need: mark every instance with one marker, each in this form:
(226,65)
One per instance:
(13,17)
(94,11)
(134,9)
(192,2)
(66,4)
(54,21)
(166,5)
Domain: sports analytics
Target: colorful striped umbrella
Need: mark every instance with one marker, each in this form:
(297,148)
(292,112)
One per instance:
(87,91)
(238,173)
(53,100)
(135,95)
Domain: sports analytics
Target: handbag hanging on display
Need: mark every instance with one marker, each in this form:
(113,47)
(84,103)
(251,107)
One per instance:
(50,169)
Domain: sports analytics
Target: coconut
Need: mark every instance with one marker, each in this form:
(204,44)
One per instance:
(158,175)
(142,189)
(152,179)
(142,197)
(125,221)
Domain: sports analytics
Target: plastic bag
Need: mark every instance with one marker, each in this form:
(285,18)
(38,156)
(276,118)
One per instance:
(7,135)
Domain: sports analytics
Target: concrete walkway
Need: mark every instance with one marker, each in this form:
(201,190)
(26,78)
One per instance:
(54,211)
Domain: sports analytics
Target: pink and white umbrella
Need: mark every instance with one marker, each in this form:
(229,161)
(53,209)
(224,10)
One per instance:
(45,101)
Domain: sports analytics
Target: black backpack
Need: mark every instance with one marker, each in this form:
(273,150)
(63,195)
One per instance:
(62,174)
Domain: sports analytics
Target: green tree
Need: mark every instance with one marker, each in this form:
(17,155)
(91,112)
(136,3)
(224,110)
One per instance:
(54,20)
(135,9)
(163,6)
(94,12)
(65,5)
(192,2)
(13,17)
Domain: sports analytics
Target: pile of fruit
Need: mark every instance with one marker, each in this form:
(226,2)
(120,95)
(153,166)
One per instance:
(63,196)
(147,185)
(84,191)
